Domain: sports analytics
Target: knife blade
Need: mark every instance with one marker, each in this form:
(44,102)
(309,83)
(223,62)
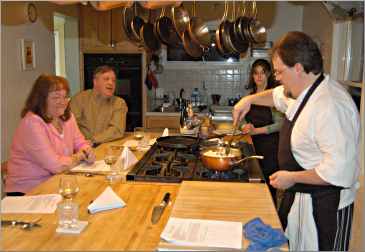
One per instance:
(158,210)
(14,223)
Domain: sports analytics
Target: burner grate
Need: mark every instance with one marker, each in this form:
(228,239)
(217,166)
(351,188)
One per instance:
(165,164)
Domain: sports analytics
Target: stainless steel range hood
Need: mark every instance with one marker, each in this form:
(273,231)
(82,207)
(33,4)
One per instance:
(344,10)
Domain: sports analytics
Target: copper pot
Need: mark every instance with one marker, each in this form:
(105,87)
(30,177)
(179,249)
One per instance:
(214,158)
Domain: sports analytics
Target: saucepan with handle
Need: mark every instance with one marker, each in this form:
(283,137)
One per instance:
(216,158)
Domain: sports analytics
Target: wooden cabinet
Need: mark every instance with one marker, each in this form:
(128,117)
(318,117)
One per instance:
(99,28)
(162,121)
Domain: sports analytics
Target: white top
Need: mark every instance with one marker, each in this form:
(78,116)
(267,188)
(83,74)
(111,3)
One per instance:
(326,135)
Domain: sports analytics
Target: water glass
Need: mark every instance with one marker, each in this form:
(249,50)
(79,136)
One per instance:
(68,214)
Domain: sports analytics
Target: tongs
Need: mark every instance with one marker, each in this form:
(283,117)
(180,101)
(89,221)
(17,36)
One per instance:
(228,146)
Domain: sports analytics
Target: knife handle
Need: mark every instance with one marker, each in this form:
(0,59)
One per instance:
(166,198)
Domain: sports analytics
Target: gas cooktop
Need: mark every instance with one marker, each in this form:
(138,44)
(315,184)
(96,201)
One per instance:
(169,164)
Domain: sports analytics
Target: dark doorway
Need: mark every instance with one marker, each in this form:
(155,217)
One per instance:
(128,69)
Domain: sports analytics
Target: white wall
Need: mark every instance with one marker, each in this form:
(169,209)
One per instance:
(15,83)
(72,53)
(287,17)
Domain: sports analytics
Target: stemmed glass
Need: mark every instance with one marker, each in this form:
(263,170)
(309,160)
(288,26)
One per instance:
(138,133)
(68,187)
(110,158)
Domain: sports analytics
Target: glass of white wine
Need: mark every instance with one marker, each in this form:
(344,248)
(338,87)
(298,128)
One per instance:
(138,133)
(110,158)
(68,187)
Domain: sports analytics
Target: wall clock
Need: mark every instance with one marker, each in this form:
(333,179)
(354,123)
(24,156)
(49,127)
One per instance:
(32,12)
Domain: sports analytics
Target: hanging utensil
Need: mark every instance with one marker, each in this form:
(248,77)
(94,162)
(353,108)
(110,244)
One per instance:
(190,47)
(166,31)
(218,32)
(198,30)
(127,17)
(181,19)
(240,45)
(149,39)
(226,39)
(136,25)
(257,31)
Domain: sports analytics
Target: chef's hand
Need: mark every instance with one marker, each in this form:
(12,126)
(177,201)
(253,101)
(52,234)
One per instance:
(248,129)
(240,109)
(282,179)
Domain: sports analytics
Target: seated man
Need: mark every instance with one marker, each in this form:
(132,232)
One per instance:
(100,115)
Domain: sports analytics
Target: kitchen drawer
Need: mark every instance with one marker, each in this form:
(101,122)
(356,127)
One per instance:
(163,121)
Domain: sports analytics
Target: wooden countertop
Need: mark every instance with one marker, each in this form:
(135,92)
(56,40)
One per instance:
(127,228)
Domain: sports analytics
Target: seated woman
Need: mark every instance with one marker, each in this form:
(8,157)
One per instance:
(47,140)
(263,123)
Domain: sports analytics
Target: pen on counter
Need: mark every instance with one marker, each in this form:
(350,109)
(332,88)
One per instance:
(85,153)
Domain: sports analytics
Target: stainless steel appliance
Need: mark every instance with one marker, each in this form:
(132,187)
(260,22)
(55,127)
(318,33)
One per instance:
(221,113)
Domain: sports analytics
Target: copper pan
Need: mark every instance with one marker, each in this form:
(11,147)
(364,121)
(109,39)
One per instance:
(166,31)
(181,19)
(198,30)
(136,26)
(152,5)
(218,32)
(238,40)
(148,36)
(240,43)
(127,17)
(225,32)
(226,38)
(190,47)
(108,5)
(257,31)
(223,161)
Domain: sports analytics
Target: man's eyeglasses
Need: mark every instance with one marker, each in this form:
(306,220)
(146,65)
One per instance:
(279,72)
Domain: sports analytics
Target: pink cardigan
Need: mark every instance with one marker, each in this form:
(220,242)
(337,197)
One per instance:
(38,151)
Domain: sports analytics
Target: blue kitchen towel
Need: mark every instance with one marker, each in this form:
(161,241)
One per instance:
(262,236)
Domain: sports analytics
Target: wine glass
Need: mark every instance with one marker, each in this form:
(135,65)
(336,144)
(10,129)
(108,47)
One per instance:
(68,187)
(110,158)
(138,133)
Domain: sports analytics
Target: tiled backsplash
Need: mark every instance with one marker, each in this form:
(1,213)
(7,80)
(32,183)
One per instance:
(227,79)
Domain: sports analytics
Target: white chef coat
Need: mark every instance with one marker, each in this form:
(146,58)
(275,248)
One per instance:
(325,137)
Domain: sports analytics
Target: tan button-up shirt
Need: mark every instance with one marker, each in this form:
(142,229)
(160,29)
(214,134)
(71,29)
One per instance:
(100,119)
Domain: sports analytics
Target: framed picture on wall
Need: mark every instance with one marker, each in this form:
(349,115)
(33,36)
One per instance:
(28,54)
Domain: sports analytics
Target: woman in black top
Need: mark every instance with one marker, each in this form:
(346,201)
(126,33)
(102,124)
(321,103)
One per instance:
(264,123)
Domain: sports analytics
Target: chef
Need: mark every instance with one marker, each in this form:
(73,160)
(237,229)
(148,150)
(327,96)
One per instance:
(318,146)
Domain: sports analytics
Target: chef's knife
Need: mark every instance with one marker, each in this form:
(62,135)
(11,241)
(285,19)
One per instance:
(158,210)
(14,223)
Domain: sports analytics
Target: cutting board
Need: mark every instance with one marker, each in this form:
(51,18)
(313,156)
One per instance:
(224,201)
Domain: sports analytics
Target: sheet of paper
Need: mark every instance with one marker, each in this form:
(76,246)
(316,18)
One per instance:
(97,166)
(203,233)
(46,203)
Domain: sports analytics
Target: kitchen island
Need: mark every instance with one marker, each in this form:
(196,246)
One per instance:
(130,228)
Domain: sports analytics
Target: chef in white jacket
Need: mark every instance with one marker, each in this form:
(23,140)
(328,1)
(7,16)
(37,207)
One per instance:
(318,146)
